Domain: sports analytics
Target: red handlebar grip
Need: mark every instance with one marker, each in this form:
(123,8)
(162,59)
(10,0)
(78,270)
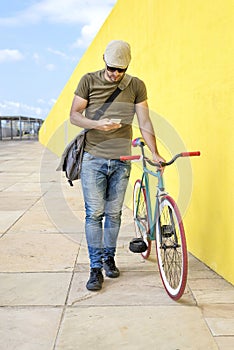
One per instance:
(129,157)
(190,154)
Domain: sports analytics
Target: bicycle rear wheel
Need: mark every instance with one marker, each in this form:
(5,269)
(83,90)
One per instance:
(171,248)
(140,215)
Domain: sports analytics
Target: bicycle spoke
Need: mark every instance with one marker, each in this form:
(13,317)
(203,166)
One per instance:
(172,266)
(141,217)
(171,248)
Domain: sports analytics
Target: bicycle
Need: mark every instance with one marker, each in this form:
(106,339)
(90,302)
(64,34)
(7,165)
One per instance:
(165,227)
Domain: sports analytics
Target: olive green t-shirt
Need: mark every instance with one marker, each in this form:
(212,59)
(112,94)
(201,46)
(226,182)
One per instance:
(94,88)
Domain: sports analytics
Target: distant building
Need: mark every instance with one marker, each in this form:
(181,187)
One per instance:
(19,126)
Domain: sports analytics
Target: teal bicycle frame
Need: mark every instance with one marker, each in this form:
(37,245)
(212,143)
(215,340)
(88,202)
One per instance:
(159,192)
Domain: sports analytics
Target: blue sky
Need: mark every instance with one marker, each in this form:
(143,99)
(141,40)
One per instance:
(41,43)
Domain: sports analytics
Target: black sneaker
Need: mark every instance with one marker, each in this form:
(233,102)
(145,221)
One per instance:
(95,280)
(109,266)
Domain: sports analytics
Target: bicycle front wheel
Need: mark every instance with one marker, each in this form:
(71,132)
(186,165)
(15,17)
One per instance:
(171,248)
(140,215)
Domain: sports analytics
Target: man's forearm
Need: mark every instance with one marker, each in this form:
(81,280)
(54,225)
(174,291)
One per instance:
(78,119)
(149,136)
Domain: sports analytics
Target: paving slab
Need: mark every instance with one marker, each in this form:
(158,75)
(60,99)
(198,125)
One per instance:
(32,222)
(18,202)
(21,289)
(214,296)
(8,218)
(213,284)
(137,288)
(135,328)
(221,326)
(29,328)
(33,188)
(22,252)
(218,310)
(225,343)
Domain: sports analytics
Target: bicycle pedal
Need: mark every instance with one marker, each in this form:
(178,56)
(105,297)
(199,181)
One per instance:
(137,245)
(167,230)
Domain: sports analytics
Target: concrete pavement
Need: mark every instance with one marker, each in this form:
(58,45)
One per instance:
(44,268)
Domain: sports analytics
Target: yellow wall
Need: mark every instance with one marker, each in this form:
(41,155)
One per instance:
(183,50)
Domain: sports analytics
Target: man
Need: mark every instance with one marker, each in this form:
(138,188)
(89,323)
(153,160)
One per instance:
(104,177)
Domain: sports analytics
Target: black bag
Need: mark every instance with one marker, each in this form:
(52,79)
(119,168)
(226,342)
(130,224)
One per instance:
(72,158)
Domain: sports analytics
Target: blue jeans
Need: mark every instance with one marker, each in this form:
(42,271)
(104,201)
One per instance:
(104,184)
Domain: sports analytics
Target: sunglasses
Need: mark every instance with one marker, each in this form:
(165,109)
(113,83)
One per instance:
(113,69)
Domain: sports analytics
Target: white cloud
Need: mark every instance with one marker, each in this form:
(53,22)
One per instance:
(57,53)
(88,32)
(36,58)
(60,11)
(41,101)
(51,102)
(7,55)
(50,67)
(61,54)
(39,60)
(14,108)
(90,14)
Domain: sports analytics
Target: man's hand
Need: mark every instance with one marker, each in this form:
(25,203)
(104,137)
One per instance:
(106,125)
(157,159)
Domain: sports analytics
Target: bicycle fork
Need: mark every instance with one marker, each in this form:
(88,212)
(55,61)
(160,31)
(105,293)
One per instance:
(166,225)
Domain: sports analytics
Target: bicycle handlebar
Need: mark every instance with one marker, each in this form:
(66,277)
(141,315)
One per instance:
(183,154)
(140,157)
(140,142)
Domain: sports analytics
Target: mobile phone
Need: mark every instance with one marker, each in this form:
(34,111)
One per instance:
(116,121)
